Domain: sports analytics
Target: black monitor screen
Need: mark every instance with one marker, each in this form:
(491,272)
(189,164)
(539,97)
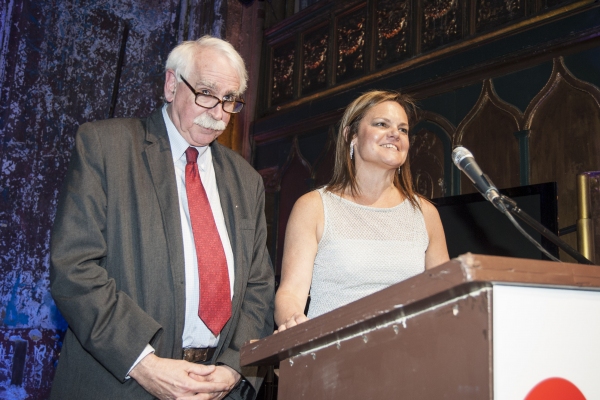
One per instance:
(472,224)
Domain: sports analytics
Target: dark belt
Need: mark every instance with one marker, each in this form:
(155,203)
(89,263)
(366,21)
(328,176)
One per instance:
(199,354)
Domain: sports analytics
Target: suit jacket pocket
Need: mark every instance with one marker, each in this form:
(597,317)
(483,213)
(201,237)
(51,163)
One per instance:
(246,224)
(245,232)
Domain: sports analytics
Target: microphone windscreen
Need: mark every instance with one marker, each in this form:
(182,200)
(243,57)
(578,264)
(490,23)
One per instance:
(459,153)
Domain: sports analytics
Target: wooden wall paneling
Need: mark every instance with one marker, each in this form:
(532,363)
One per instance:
(443,22)
(430,155)
(294,182)
(297,70)
(488,132)
(323,168)
(417,29)
(283,60)
(332,55)
(393,27)
(315,49)
(371,36)
(442,31)
(350,44)
(426,157)
(564,120)
(491,14)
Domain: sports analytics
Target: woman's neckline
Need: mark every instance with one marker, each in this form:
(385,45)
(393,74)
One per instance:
(362,205)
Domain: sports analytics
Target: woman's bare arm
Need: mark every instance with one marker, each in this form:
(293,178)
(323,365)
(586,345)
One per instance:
(302,235)
(437,251)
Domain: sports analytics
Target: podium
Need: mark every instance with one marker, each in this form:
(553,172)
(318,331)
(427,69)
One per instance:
(476,327)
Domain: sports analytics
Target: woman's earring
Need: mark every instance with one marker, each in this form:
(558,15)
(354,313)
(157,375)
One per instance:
(400,169)
(351,150)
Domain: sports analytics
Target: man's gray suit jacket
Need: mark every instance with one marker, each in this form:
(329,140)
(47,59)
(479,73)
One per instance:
(117,263)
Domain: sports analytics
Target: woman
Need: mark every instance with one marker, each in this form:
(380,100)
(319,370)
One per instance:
(367,229)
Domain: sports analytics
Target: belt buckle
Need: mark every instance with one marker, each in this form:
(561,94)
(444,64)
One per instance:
(195,355)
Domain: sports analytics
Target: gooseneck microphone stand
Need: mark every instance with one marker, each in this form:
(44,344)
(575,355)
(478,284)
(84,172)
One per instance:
(508,206)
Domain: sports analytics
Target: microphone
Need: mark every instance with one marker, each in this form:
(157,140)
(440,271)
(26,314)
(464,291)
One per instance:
(464,160)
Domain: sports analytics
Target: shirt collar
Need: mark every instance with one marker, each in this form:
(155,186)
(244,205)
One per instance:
(179,145)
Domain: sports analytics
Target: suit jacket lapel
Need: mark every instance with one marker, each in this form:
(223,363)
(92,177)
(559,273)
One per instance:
(160,164)
(229,196)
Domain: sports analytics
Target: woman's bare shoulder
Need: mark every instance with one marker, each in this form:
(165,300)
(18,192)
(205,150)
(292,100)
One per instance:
(426,205)
(306,217)
(310,201)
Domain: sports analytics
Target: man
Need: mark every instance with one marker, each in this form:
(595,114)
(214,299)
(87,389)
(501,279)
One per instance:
(159,261)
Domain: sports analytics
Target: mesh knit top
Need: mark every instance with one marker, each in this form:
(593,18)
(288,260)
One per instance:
(363,250)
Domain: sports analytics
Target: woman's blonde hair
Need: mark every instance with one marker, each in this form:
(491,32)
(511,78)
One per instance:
(344,171)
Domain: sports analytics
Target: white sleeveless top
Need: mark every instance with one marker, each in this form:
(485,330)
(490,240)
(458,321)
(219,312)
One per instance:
(363,250)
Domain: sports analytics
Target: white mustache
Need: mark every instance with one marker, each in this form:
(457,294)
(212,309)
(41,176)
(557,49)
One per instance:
(206,121)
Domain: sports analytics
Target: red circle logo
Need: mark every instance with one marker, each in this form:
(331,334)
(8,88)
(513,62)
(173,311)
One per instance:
(555,389)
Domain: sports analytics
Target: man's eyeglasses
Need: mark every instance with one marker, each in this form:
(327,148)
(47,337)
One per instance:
(209,101)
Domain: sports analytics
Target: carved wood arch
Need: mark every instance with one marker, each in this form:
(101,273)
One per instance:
(560,75)
(294,182)
(564,124)
(491,124)
(429,154)
(447,126)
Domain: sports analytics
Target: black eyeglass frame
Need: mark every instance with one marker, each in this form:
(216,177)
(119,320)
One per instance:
(219,101)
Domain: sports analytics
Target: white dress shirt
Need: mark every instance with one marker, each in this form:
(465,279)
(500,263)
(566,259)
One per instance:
(195,332)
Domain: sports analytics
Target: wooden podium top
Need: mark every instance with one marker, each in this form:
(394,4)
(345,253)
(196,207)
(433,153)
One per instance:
(458,277)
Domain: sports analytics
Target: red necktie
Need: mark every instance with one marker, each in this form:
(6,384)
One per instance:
(215,297)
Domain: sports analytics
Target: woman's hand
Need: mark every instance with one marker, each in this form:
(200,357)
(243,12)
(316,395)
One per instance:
(295,319)
(302,235)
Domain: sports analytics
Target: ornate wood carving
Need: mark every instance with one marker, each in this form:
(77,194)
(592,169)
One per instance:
(283,72)
(429,155)
(426,157)
(493,13)
(491,124)
(442,23)
(564,121)
(314,60)
(393,31)
(350,44)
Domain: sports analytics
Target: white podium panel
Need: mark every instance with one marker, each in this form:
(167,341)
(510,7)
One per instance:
(548,339)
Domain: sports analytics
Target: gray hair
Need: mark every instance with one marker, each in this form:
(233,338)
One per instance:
(181,57)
